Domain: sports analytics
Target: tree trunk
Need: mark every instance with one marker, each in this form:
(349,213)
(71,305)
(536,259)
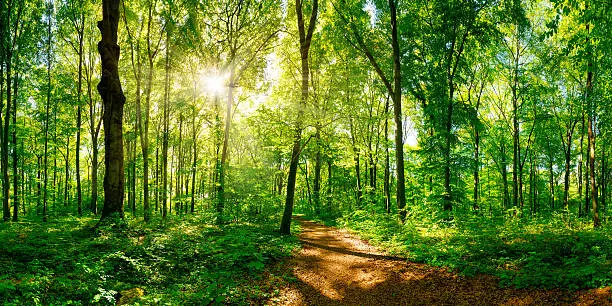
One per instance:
(46,151)
(329,183)
(387,175)
(77,151)
(591,132)
(551,179)
(5,140)
(132,176)
(94,177)
(94,130)
(114,100)
(157,195)
(224,151)
(317,173)
(179,169)
(15,155)
(166,131)
(580,163)
(195,151)
(476,195)
(67,171)
(5,209)
(448,205)
(305,40)
(568,156)
(356,160)
(397,113)
(504,173)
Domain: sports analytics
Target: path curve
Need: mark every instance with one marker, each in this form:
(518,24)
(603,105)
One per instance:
(335,268)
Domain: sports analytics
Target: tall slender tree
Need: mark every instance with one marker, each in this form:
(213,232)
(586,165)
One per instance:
(305,34)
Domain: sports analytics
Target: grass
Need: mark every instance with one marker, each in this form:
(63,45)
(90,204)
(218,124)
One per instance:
(185,260)
(522,252)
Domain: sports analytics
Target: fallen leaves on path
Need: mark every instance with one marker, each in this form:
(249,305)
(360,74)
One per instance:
(335,268)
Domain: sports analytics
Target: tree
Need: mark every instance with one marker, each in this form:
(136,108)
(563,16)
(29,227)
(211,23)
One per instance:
(305,35)
(244,30)
(392,82)
(112,117)
(94,120)
(47,106)
(75,11)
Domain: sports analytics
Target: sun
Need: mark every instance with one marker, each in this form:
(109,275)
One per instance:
(215,84)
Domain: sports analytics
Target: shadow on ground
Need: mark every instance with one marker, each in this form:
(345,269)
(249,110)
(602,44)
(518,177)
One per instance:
(334,268)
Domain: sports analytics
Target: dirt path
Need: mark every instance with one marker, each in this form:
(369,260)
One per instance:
(335,268)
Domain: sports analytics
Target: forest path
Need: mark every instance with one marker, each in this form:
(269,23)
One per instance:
(335,268)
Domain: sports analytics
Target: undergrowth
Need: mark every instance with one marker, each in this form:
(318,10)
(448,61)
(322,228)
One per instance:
(184,260)
(547,252)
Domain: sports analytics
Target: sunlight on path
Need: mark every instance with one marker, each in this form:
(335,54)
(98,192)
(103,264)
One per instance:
(334,268)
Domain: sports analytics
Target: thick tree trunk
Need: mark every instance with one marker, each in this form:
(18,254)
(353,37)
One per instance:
(114,100)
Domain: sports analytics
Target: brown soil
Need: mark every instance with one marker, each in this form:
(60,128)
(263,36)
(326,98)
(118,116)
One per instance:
(335,268)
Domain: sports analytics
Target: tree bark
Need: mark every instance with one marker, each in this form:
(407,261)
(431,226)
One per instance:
(317,173)
(591,125)
(397,113)
(356,160)
(5,138)
(305,40)
(15,155)
(580,166)
(567,150)
(387,174)
(67,171)
(194,135)
(46,151)
(114,100)
(166,129)
(80,34)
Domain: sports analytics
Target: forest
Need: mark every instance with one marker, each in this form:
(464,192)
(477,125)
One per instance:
(305,152)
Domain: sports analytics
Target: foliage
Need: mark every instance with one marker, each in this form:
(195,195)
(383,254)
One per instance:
(541,252)
(174,261)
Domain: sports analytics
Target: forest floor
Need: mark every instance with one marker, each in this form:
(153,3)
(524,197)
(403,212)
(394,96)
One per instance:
(336,268)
